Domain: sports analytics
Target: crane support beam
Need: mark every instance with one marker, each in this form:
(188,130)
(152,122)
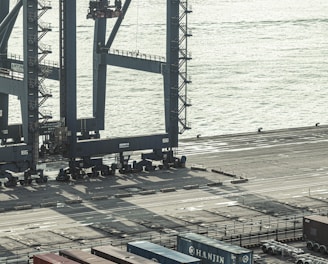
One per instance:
(16,65)
(4,10)
(68,89)
(14,131)
(5,35)
(171,72)
(119,145)
(24,75)
(117,24)
(12,86)
(4,97)
(10,18)
(100,68)
(99,73)
(29,102)
(4,105)
(133,63)
(17,153)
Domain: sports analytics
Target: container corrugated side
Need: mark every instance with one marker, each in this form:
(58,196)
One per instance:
(160,254)
(119,256)
(317,218)
(315,228)
(83,257)
(212,251)
(51,258)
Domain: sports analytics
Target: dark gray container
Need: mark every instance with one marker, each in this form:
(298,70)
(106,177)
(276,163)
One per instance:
(212,251)
(315,232)
(160,254)
(83,257)
(119,256)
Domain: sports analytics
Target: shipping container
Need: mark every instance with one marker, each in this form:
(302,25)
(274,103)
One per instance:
(160,254)
(119,255)
(213,251)
(83,257)
(315,232)
(51,258)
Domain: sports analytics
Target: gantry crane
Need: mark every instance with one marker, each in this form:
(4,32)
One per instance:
(79,139)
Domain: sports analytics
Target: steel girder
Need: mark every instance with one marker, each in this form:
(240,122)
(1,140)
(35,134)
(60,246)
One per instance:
(66,73)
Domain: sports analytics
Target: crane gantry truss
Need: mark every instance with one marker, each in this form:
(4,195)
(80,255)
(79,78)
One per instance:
(79,139)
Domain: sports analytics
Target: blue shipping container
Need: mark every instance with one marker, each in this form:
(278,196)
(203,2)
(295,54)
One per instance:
(212,251)
(160,254)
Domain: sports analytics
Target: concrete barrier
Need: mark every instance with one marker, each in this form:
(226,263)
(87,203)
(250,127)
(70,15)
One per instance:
(99,197)
(165,190)
(191,186)
(48,204)
(213,184)
(224,173)
(199,168)
(76,201)
(122,195)
(147,192)
(242,180)
(23,207)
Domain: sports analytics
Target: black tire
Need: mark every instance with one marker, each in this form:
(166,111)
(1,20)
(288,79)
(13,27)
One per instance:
(264,249)
(271,251)
(309,245)
(316,247)
(323,250)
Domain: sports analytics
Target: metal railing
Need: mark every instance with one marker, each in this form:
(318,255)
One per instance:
(137,54)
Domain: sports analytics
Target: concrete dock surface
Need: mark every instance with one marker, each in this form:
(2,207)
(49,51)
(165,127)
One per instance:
(233,187)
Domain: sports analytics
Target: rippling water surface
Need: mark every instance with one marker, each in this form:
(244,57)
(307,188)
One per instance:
(256,63)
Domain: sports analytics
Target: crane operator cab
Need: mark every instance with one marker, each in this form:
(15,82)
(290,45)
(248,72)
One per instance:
(103,9)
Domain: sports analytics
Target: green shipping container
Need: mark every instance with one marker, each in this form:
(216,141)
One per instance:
(212,251)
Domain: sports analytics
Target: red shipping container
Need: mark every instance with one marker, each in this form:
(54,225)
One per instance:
(51,258)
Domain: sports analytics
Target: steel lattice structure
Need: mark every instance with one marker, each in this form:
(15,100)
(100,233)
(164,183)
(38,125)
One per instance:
(79,139)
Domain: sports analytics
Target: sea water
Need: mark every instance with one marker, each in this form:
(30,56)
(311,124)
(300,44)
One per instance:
(255,63)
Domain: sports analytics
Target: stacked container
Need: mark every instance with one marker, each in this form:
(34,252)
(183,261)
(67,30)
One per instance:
(160,254)
(212,251)
(119,256)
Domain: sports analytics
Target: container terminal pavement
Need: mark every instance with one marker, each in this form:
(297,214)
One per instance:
(239,188)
